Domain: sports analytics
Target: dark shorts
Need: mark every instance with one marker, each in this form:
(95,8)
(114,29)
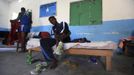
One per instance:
(25,28)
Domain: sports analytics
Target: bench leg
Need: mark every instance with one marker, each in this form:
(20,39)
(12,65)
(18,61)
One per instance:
(17,49)
(126,50)
(108,63)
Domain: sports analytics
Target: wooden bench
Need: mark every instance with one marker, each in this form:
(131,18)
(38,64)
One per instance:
(107,53)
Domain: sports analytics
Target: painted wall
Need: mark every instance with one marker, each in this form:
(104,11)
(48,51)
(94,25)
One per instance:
(108,31)
(4,12)
(118,19)
(28,4)
(112,10)
(118,9)
(62,10)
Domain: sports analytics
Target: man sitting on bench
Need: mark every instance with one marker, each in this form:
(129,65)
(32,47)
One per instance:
(46,43)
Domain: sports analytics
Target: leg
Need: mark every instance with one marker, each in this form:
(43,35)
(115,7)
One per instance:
(17,49)
(18,41)
(23,41)
(26,30)
(46,45)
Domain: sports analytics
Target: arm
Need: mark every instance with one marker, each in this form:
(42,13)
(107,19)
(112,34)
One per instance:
(66,31)
(56,36)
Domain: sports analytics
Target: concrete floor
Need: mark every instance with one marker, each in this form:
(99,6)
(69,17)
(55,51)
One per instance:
(12,63)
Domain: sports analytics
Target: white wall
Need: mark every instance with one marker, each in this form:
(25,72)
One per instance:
(112,10)
(4,14)
(62,10)
(63,7)
(118,9)
(28,4)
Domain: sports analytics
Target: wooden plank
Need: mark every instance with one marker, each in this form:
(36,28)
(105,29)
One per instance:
(35,49)
(83,51)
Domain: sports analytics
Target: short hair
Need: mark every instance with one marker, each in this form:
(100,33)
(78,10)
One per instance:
(22,8)
(52,17)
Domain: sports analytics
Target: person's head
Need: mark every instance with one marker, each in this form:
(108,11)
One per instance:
(23,9)
(53,20)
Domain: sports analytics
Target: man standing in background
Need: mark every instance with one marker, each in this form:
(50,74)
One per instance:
(25,19)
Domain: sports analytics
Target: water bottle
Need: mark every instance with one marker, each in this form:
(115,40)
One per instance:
(29,58)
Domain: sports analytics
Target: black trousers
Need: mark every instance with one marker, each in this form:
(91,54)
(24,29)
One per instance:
(67,39)
(46,48)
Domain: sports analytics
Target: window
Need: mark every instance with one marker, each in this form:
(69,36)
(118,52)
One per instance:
(86,12)
(48,9)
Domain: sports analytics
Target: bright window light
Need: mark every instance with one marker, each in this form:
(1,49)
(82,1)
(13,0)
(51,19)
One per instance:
(20,1)
(14,15)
